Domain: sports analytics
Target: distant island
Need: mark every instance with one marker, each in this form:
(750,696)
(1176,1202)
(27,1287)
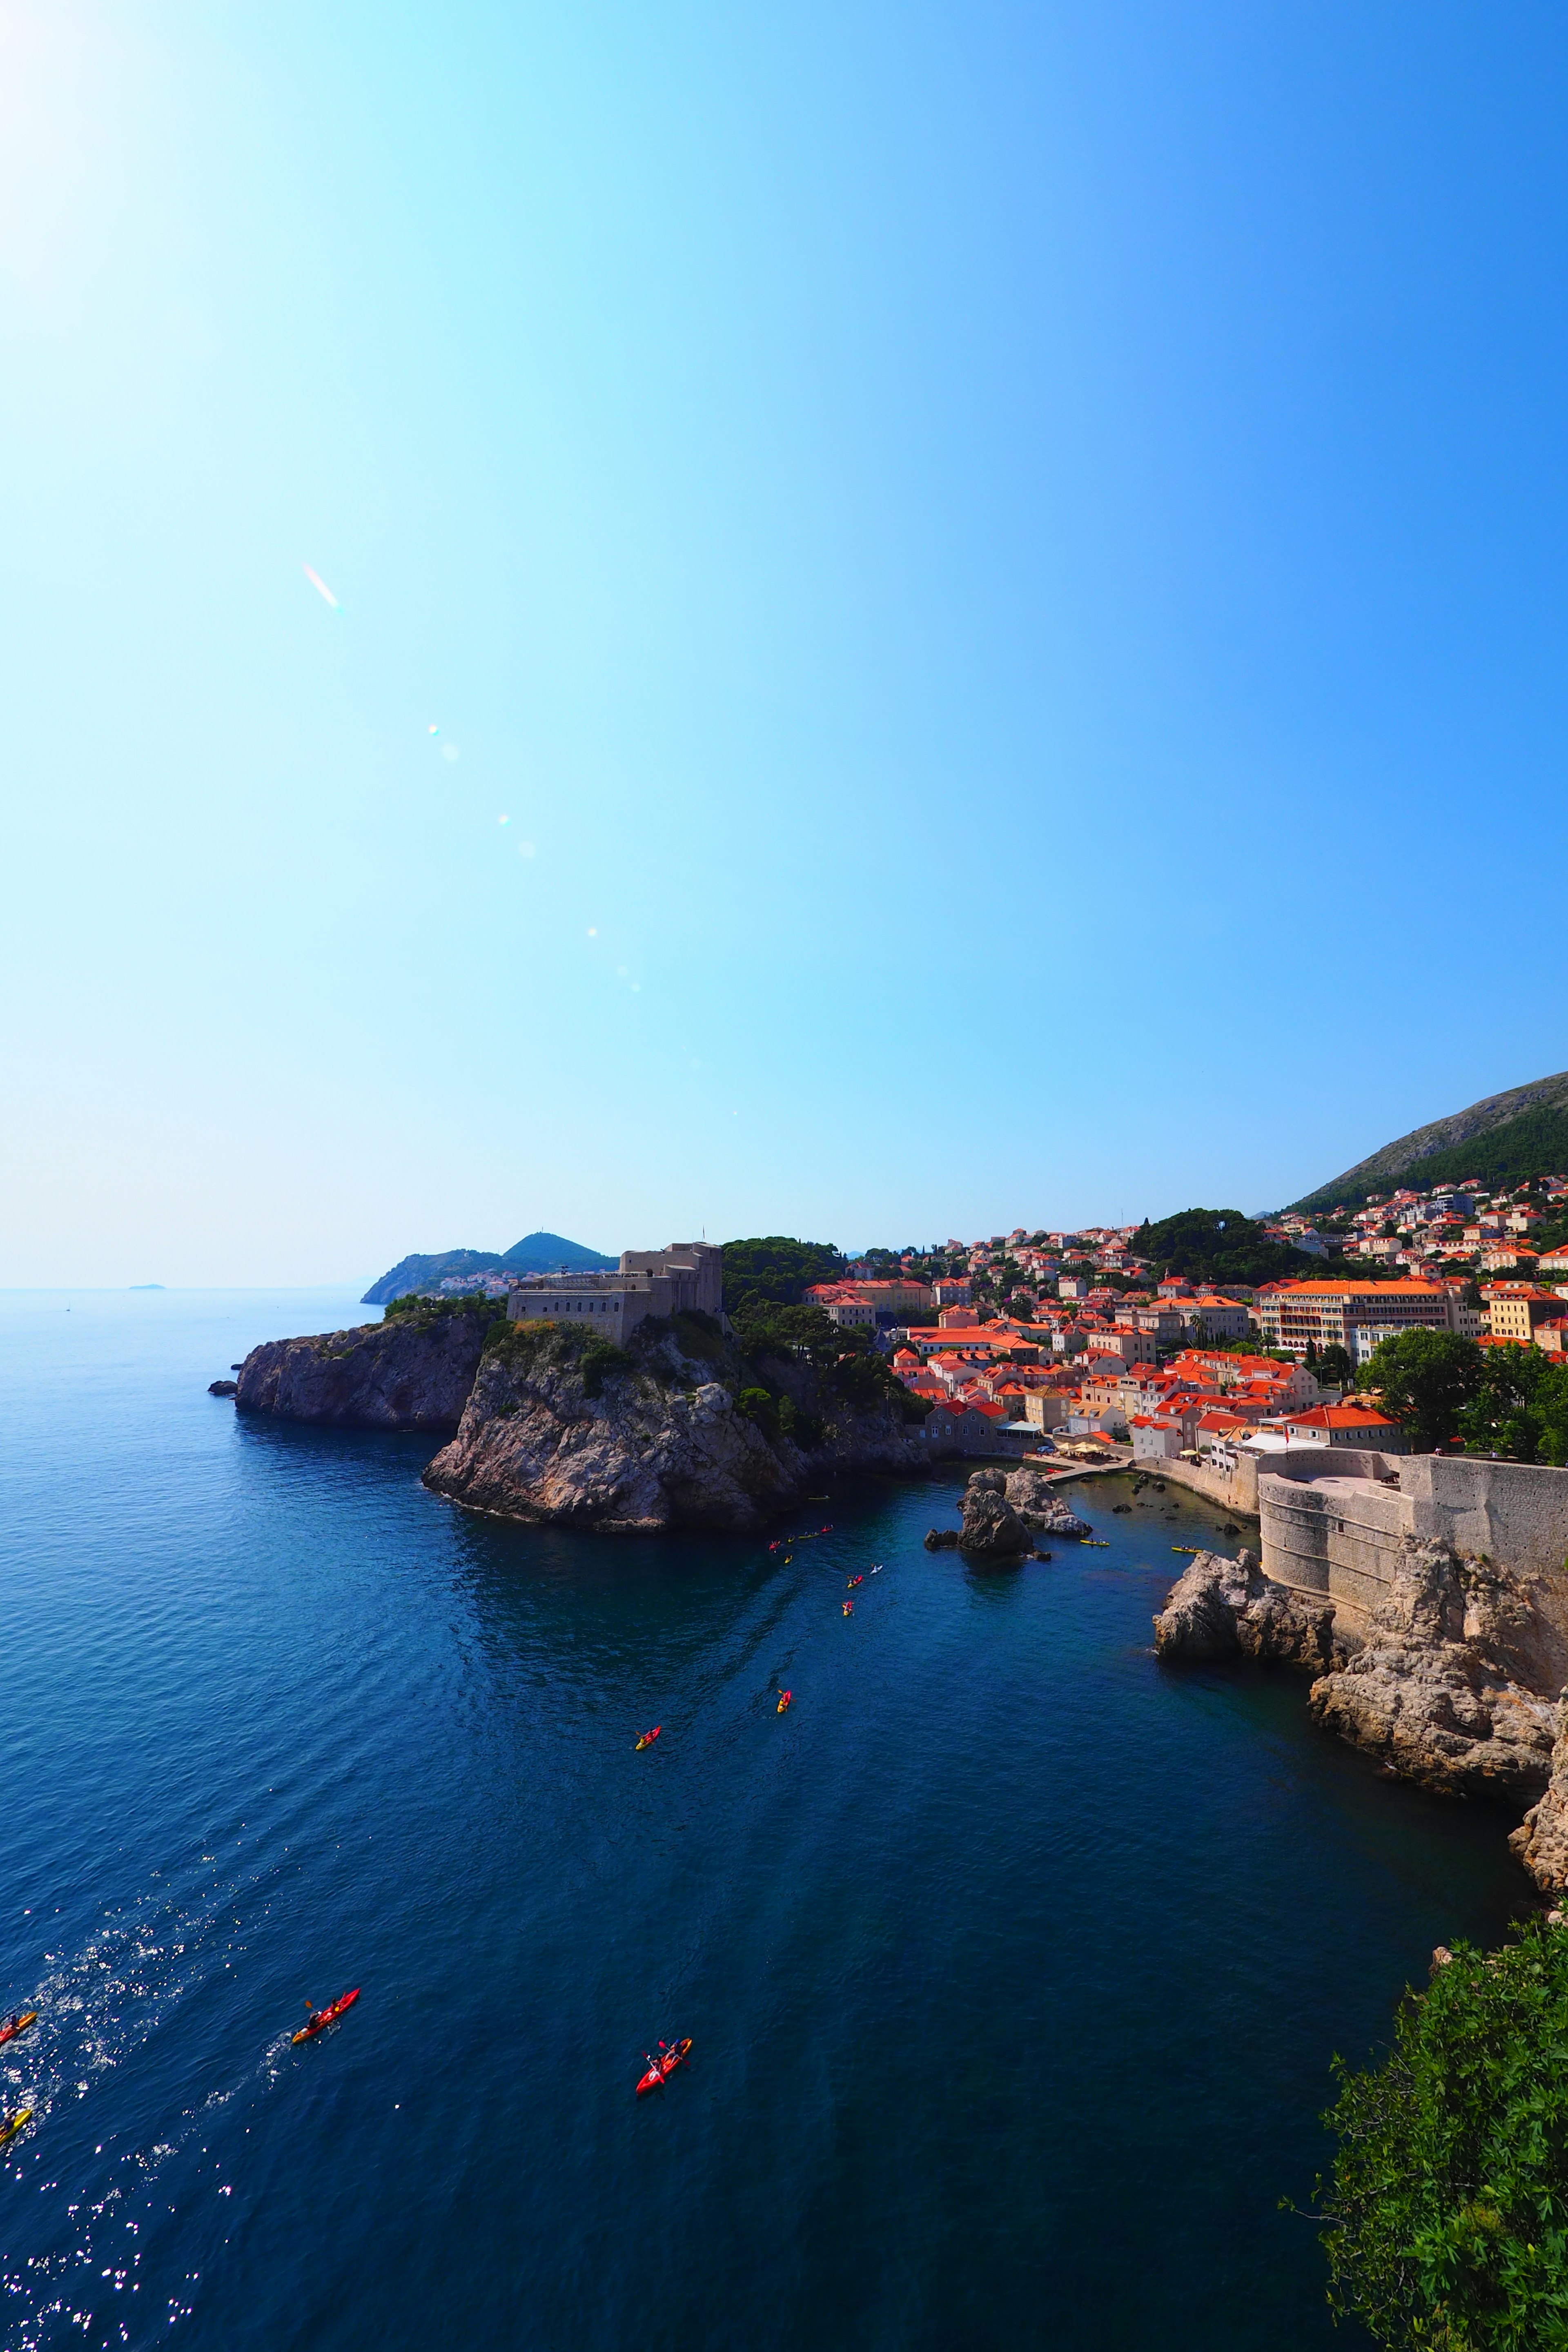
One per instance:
(144,1286)
(535,1253)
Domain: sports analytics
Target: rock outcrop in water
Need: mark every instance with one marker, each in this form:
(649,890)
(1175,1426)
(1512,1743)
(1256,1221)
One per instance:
(1040,1506)
(991,1529)
(677,1432)
(1430,1690)
(1227,1609)
(413,1371)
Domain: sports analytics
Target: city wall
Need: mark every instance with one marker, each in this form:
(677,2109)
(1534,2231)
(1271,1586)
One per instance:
(1337,1533)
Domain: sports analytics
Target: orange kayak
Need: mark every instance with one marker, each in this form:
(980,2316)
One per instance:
(784,1697)
(15,2025)
(649,1737)
(318,2020)
(662,2068)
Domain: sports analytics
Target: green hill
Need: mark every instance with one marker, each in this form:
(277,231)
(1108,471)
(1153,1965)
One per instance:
(1222,1246)
(1502,1140)
(535,1253)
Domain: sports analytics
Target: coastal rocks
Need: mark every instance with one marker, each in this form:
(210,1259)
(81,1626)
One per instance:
(223,1388)
(1541,1841)
(409,1372)
(992,1528)
(1039,1506)
(1228,1608)
(554,1433)
(1430,1692)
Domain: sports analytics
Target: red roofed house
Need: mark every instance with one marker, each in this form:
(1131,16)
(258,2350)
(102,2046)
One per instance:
(1346,1425)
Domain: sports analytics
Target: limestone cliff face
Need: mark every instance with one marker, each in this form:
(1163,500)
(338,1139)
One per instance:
(590,1438)
(1229,1609)
(407,1373)
(1541,1841)
(1431,1690)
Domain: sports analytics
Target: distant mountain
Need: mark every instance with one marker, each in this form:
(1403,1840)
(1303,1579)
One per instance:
(535,1253)
(1500,1140)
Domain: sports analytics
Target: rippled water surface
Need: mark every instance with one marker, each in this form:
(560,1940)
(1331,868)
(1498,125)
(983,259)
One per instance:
(1014,1962)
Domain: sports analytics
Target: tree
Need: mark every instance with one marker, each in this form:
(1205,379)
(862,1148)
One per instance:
(1335,1369)
(1426,1379)
(1222,1246)
(777,1269)
(1447,2210)
(1520,1409)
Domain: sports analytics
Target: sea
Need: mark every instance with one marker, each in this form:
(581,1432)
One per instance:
(1013,1963)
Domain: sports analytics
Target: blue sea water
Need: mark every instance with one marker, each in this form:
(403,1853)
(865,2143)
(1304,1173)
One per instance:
(1014,1961)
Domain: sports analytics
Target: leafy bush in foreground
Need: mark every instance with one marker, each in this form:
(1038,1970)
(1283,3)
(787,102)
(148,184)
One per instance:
(1449,2206)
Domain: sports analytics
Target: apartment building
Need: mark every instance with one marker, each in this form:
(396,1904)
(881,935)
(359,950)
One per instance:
(1516,1309)
(1332,1314)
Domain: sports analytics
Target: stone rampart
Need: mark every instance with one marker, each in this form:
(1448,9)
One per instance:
(1335,1525)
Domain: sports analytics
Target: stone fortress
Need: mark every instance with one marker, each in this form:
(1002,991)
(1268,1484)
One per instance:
(1336,1527)
(646,1282)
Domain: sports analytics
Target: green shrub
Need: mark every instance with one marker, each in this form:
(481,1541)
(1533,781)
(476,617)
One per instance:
(761,1408)
(600,1358)
(415,1306)
(801,1428)
(1448,2210)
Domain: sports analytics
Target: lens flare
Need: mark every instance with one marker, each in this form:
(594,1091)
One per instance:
(316,581)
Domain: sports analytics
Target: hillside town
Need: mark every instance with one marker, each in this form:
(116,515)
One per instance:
(1087,1343)
(1074,1343)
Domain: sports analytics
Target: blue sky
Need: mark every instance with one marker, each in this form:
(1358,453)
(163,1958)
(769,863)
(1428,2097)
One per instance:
(994,577)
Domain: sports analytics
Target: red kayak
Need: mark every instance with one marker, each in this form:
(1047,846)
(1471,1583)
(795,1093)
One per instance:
(320,2019)
(660,2069)
(15,2026)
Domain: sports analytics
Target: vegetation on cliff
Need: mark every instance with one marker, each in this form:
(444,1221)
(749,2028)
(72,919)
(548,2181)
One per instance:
(787,1369)
(1448,2209)
(777,1271)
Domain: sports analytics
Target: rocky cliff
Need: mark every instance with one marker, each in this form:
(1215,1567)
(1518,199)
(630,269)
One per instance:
(1433,1688)
(413,1371)
(679,1432)
(1229,1609)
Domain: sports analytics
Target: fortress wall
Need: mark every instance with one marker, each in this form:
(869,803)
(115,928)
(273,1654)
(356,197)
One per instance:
(1334,1528)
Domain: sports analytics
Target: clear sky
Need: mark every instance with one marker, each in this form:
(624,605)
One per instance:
(992,581)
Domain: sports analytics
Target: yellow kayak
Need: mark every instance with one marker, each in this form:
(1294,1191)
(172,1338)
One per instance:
(11,2125)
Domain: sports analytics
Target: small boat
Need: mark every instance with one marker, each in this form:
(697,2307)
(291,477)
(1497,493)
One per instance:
(849,1608)
(649,1737)
(320,2019)
(784,1697)
(15,2026)
(1194,1548)
(660,2069)
(12,2124)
